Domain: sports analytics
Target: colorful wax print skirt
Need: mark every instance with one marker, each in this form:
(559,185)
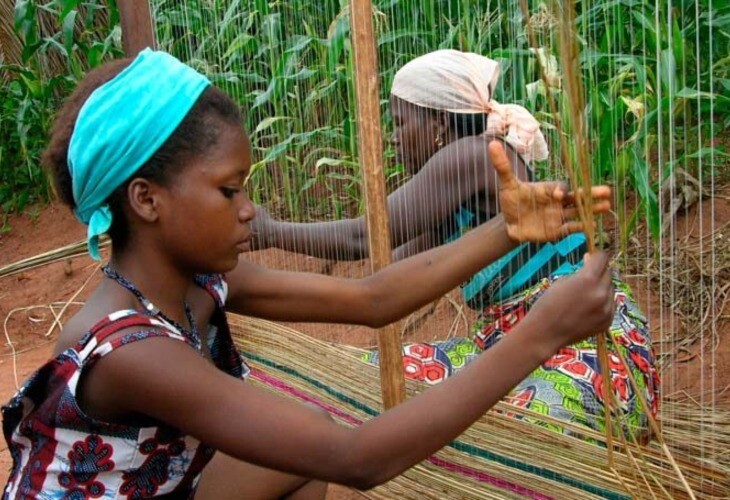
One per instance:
(567,387)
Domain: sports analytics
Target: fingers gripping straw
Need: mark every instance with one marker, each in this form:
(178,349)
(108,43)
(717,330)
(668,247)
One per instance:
(120,126)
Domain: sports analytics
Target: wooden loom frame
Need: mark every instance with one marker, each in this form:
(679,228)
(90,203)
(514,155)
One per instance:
(138,33)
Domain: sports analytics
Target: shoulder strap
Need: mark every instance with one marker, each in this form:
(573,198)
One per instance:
(522,268)
(149,326)
(215,285)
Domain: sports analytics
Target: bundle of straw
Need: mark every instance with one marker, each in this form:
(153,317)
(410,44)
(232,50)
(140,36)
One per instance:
(10,46)
(65,252)
(493,459)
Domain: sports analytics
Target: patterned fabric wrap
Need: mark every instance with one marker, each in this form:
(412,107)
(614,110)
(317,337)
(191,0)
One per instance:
(568,386)
(59,452)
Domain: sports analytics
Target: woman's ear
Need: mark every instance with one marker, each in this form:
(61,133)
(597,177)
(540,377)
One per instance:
(143,199)
(441,120)
(441,129)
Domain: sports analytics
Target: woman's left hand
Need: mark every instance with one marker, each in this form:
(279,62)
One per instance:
(539,211)
(261,226)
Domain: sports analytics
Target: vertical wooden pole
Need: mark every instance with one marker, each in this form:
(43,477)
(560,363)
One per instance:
(137,31)
(371,160)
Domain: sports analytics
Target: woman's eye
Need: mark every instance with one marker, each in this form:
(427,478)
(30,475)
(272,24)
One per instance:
(229,192)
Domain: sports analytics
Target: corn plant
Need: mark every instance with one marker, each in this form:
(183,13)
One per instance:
(656,77)
(61,40)
(290,66)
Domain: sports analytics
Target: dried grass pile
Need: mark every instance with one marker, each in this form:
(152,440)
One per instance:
(500,456)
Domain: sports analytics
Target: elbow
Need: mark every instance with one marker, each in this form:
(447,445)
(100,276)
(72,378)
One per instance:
(365,482)
(375,323)
(378,307)
(365,475)
(349,462)
(375,314)
(379,320)
(361,480)
(362,465)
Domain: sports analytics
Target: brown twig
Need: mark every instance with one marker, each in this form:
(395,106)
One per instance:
(577,165)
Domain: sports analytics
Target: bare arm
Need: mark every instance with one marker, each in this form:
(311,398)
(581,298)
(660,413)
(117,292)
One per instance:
(451,177)
(253,425)
(421,243)
(531,212)
(377,300)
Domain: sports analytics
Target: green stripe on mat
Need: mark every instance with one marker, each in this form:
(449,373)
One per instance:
(456,445)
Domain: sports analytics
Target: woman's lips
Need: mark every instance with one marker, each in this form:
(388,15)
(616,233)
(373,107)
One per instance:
(244,244)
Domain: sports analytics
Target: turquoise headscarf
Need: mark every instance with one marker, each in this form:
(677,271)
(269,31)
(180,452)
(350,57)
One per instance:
(120,126)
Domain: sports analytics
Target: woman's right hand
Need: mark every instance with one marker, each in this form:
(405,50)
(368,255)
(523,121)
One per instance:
(576,307)
(539,211)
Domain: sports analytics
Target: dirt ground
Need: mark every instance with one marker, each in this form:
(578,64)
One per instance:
(29,330)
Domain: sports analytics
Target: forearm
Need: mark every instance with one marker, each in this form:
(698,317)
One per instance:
(414,246)
(333,240)
(388,445)
(377,300)
(302,441)
(411,283)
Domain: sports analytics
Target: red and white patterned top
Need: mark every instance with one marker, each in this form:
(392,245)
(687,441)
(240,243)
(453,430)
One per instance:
(59,452)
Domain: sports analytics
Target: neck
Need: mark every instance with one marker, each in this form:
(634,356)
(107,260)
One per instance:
(162,283)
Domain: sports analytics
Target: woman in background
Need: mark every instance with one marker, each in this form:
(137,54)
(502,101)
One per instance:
(444,118)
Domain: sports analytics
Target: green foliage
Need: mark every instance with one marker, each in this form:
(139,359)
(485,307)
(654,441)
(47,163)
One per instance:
(657,80)
(656,76)
(61,39)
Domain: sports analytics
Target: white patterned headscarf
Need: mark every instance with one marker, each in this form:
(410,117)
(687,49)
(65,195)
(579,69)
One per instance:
(464,82)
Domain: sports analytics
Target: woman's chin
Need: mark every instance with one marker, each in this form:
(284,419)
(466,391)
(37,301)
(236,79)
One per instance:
(231,265)
(222,266)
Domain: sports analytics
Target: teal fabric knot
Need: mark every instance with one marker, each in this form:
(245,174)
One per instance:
(99,223)
(121,126)
(519,269)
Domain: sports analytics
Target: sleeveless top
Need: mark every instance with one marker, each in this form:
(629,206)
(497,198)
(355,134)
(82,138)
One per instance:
(59,452)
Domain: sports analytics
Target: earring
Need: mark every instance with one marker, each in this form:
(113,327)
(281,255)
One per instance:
(439,141)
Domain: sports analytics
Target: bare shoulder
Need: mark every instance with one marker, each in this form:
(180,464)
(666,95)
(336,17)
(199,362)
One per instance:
(514,156)
(473,151)
(468,148)
(106,301)
(462,158)
(469,156)
(478,145)
(98,306)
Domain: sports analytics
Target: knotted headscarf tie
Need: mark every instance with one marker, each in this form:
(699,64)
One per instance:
(464,82)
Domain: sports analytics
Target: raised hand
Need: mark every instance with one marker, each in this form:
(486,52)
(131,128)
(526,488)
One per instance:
(539,211)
